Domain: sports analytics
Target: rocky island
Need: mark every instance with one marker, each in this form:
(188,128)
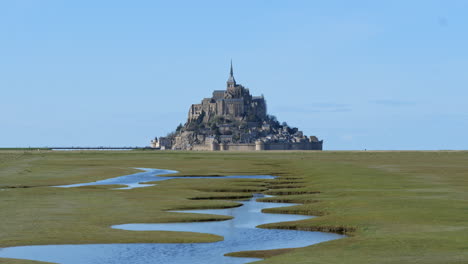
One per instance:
(233,119)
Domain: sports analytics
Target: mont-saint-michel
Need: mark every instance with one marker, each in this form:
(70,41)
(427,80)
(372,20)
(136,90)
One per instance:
(233,119)
(87,84)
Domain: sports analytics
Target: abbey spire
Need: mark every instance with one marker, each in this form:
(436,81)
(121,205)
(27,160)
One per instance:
(231,82)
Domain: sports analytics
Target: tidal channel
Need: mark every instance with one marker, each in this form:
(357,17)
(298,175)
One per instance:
(240,234)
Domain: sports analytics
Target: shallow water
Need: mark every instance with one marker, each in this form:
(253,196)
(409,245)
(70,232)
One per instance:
(149,175)
(240,234)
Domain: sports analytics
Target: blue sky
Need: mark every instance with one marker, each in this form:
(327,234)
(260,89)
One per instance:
(358,74)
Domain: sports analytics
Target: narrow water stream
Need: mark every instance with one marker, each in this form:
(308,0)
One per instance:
(137,180)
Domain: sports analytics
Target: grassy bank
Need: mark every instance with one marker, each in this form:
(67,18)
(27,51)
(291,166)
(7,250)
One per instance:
(397,207)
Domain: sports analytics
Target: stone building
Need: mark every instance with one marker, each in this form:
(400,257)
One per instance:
(233,119)
(235,102)
(163,143)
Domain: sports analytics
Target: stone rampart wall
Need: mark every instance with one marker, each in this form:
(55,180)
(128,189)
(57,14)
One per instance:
(266,146)
(201,147)
(240,147)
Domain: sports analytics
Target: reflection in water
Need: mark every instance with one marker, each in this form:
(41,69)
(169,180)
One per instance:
(239,234)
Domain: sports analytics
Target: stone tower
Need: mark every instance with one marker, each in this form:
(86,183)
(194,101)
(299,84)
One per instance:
(231,82)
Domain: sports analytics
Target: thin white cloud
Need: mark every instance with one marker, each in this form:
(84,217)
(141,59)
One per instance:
(392,102)
(315,108)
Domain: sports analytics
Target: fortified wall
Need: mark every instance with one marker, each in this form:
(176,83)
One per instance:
(258,146)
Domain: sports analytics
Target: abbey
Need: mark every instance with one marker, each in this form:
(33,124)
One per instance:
(234,103)
(233,119)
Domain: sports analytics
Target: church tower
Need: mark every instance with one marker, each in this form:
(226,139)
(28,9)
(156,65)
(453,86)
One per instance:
(231,82)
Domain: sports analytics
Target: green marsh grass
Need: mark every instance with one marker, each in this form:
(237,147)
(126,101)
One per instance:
(395,207)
